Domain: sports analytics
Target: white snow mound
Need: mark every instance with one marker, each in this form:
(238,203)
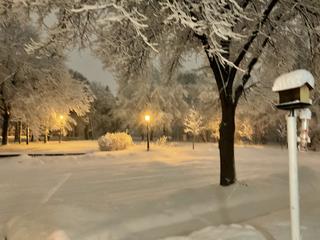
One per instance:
(224,232)
(294,79)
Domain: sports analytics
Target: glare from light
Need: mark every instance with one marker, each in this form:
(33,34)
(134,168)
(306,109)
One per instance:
(147,118)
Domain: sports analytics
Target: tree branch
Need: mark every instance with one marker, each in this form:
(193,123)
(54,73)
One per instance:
(216,67)
(240,89)
(250,41)
(309,25)
(255,33)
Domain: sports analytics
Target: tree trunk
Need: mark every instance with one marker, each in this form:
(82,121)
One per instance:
(27,135)
(226,145)
(86,132)
(5,127)
(20,132)
(45,137)
(193,141)
(164,130)
(73,132)
(16,132)
(93,135)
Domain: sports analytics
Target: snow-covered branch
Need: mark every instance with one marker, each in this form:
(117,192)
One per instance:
(214,19)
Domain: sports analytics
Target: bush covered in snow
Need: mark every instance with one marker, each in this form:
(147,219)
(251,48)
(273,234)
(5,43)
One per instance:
(162,140)
(115,141)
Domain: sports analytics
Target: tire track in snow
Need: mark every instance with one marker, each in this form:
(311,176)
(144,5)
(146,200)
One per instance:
(149,194)
(118,181)
(121,187)
(55,188)
(154,177)
(137,194)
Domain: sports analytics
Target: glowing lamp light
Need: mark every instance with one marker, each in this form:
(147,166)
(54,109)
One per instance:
(61,117)
(147,118)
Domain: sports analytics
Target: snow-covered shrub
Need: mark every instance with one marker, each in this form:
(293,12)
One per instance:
(244,130)
(214,128)
(162,140)
(115,141)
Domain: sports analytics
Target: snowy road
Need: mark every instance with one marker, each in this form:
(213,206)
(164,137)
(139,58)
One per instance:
(136,194)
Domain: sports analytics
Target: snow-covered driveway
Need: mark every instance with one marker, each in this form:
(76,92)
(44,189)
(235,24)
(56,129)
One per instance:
(136,194)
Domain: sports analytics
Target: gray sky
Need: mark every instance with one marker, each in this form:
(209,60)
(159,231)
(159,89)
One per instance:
(87,65)
(91,68)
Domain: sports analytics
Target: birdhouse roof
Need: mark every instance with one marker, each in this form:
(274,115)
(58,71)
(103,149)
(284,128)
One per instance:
(294,79)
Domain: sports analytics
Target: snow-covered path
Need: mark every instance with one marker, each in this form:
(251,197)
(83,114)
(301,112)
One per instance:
(136,194)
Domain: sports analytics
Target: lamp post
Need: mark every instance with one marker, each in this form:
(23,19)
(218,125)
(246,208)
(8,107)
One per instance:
(61,124)
(147,119)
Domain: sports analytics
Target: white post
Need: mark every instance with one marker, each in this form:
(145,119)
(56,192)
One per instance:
(293,175)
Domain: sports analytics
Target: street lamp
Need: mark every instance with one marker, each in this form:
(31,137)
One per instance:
(61,124)
(147,119)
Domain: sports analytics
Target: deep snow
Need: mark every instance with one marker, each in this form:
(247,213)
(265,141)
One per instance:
(169,191)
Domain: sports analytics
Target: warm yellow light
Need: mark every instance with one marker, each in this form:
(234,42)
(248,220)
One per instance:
(147,118)
(61,117)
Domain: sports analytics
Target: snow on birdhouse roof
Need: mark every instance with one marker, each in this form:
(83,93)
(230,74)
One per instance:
(294,79)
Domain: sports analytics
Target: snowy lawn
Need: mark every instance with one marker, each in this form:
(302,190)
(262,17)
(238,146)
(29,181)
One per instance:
(51,147)
(169,191)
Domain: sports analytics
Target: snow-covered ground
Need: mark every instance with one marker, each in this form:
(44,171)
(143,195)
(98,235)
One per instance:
(139,195)
(51,147)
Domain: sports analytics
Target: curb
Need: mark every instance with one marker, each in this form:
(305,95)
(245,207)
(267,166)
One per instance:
(41,154)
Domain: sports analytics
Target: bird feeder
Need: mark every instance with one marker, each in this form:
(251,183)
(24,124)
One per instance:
(294,93)
(294,89)
(304,139)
